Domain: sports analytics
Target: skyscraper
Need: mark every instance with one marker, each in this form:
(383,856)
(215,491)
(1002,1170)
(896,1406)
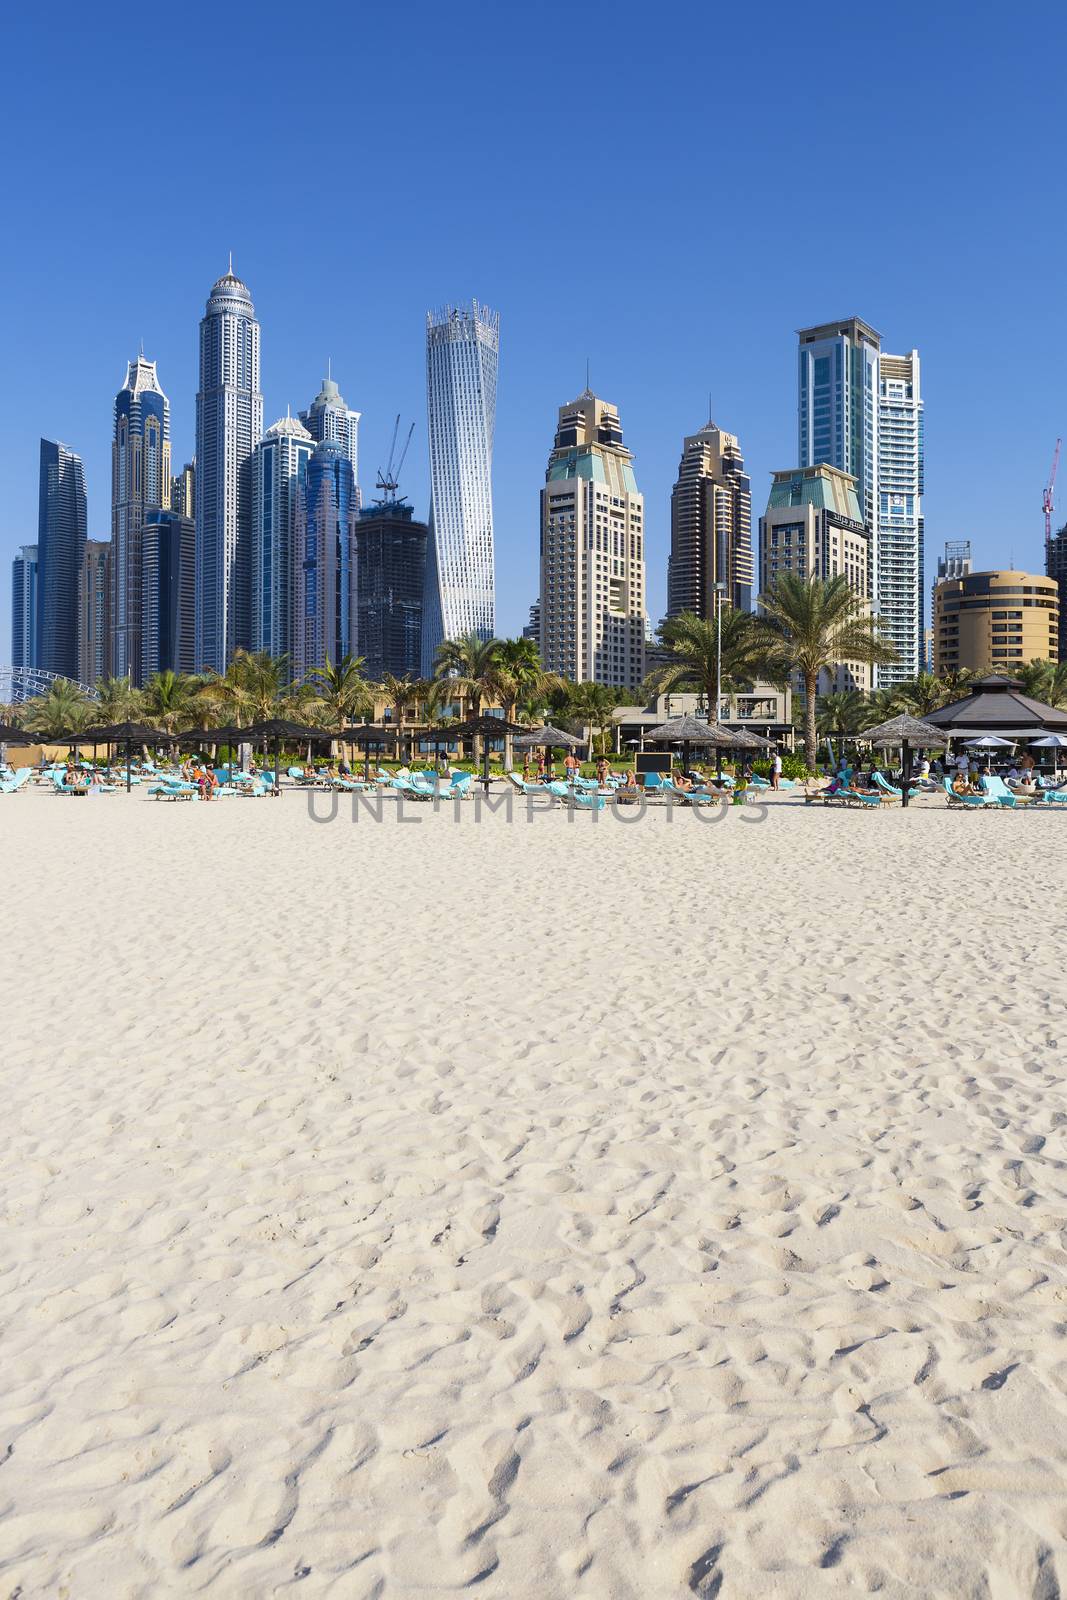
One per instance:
(390,572)
(95,589)
(711,526)
(229,425)
(592,551)
(324,590)
(837,413)
(899,554)
(328,417)
(851,393)
(183,492)
(140,479)
(24,607)
(814,527)
(1056,567)
(60,550)
(462,357)
(168,609)
(279,464)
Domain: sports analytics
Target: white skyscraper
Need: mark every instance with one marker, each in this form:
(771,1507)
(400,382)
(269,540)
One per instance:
(898,533)
(229,425)
(462,354)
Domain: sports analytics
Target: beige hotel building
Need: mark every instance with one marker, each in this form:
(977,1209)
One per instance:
(992,621)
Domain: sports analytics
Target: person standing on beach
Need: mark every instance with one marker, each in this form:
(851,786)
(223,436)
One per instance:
(572,764)
(776,769)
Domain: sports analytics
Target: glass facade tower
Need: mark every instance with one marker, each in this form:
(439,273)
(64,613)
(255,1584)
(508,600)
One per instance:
(229,425)
(462,357)
(140,481)
(61,533)
(324,590)
(279,466)
(24,607)
(860,410)
(328,417)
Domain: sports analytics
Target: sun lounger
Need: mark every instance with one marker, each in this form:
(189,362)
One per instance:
(979,802)
(999,791)
(19,781)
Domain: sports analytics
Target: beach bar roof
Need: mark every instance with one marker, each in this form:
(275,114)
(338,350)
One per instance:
(996,705)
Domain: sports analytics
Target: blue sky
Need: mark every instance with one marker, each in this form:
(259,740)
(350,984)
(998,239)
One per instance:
(669,191)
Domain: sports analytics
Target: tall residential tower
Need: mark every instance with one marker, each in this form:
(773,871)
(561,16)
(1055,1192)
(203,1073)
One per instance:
(324,588)
(899,554)
(462,355)
(860,410)
(61,536)
(328,417)
(24,607)
(711,526)
(229,425)
(140,481)
(279,465)
(592,551)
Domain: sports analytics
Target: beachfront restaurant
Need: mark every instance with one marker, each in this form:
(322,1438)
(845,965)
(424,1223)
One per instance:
(762,709)
(996,707)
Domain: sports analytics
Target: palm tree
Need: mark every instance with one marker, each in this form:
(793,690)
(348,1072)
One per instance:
(171,699)
(594,704)
(467,667)
(881,705)
(66,708)
(1045,681)
(117,700)
(957,684)
(841,715)
(252,688)
(816,623)
(341,692)
(693,645)
(920,695)
(402,694)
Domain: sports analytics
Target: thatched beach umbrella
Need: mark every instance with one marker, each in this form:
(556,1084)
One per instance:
(274,729)
(376,734)
(689,730)
(485,727)
(546,737)
(125,733)
(907,732)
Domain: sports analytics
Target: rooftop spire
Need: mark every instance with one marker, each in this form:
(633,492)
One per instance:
(230,267)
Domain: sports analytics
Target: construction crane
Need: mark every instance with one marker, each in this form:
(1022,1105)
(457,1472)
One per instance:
(1047,501)
(389,480)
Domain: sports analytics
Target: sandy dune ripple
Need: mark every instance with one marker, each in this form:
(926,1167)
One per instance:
(551,1209)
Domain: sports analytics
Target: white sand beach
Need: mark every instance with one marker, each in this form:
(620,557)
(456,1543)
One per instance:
(553,1209)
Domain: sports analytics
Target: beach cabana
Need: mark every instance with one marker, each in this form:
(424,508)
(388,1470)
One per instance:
(996,706)
(909,733)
